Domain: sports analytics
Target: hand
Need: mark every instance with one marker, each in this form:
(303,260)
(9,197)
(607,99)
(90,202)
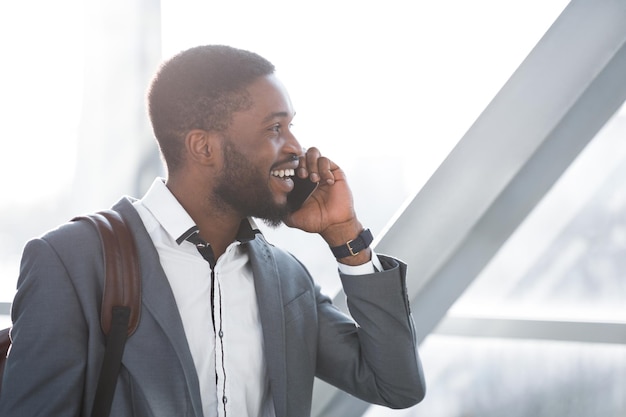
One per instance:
(329,211)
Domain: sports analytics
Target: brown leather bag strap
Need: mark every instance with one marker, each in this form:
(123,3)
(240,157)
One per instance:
(121,301)
(122,283)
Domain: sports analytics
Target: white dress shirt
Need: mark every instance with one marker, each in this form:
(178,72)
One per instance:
(229,359)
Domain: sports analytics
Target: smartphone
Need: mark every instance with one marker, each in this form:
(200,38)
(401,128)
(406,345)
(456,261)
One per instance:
(302,189)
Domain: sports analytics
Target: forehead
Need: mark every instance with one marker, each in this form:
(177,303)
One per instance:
(269,98)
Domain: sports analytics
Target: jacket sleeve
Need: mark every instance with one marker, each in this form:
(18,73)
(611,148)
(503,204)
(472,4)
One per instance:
(375,359)
(46,366)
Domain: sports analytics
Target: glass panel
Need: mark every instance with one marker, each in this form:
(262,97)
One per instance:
(567,259)
(513,378)
(41,87)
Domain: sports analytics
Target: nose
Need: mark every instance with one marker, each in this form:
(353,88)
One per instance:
(292,146)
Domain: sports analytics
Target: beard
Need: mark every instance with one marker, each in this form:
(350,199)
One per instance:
(245,189)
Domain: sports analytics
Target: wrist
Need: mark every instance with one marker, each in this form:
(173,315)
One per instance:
(354,251)
(339,234)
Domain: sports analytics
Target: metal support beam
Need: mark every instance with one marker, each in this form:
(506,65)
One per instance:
(556,330)
(553,105)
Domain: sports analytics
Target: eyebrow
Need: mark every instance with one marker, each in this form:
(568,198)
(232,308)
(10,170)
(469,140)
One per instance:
(276,115)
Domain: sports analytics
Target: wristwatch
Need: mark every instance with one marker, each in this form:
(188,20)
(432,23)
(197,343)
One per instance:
(354,246)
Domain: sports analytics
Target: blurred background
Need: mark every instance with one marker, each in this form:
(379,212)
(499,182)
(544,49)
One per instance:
(397,93)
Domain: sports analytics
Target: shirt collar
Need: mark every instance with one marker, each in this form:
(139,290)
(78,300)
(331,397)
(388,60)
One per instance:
(160,201)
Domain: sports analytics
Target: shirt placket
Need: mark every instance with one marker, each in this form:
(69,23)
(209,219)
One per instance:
(220,349)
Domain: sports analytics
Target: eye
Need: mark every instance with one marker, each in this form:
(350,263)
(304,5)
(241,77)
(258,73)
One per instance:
(278,127)
(275,128)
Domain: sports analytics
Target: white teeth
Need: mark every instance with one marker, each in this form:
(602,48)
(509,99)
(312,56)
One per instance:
(284,173)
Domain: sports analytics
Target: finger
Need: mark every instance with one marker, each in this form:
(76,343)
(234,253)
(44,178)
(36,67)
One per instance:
(312,156)
(302,168)
(324,166)
(302,171)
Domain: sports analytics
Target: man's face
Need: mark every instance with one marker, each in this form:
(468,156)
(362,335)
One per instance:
(258,147)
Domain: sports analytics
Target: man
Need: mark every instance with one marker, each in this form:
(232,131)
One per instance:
(230,325)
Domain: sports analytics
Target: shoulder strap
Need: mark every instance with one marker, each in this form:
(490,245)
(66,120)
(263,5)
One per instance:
(122,284)
(121,300)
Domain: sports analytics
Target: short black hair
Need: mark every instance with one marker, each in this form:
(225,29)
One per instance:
(200,88)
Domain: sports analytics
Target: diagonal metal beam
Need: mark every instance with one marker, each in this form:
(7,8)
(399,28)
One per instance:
(552,106)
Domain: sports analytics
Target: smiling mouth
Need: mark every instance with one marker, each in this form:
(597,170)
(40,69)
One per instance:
(283,173)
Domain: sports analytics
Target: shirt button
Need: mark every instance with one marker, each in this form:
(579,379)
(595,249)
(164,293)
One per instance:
(224,399)
(221,334)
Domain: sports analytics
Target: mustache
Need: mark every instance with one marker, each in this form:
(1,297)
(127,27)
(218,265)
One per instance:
(290,158)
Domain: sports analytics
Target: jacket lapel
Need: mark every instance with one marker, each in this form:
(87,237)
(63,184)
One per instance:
(158,299)
(269,298)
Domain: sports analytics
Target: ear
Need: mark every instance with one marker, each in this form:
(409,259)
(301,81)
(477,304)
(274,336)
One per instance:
(201,146)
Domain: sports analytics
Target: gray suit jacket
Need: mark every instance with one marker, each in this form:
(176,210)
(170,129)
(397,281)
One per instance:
(54,363)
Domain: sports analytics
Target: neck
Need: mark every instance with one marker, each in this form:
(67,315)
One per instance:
(218,226)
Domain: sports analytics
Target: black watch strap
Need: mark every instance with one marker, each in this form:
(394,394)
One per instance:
(354,246)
